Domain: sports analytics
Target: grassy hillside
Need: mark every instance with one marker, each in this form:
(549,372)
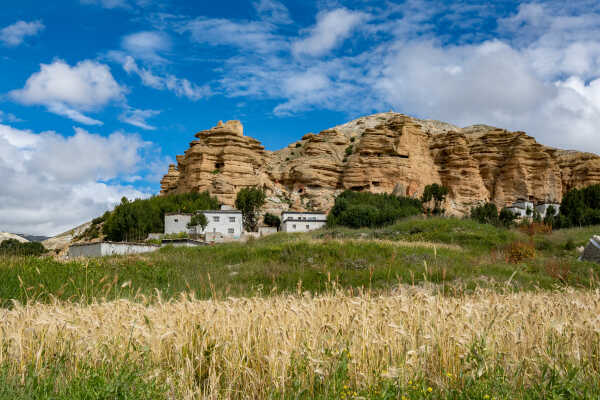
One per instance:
(454,255)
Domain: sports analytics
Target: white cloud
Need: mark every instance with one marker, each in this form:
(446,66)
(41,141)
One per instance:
(15,34)
(272,11)
(110,4)
(68,91)
(248,35)
(138,118)
(8,117)
(52,183)
(180,86)
(332,28)
(147,45)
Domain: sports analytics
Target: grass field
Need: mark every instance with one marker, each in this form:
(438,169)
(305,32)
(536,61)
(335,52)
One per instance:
(423,309)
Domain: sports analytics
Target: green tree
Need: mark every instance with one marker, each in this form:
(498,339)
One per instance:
(272,220)
(198,219)
(506,217)
(438,194)
(134,220)
(249,201)
(364,209)
(485,214)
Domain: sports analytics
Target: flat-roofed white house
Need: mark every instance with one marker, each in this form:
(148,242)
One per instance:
(520,207)
(224,222)
(294,221)
(543,208)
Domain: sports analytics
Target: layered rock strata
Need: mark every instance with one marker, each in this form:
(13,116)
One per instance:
(382,153)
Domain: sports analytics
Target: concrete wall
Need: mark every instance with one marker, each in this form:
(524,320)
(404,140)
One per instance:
(302,222)
(266,230)
(102,249)
(177,223)
(182,243)
(226,223)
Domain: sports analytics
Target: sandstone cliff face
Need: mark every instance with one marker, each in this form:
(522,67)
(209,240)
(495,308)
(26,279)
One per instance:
(382,153)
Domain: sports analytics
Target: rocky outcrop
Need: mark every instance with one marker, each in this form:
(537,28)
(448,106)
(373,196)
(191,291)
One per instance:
(382,153)
(6,236)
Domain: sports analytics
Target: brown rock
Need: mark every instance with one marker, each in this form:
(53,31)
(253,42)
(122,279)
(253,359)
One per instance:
(389,153)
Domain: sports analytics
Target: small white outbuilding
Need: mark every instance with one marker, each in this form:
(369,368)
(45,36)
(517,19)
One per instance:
(295,221)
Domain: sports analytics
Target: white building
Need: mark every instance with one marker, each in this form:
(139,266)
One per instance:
(542,209)
(224,222)
(292,221)
(101,249)
(520,207)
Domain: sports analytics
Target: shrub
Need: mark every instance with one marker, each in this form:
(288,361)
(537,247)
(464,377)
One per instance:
(133,220)
(198,219)
(580,207)
(349,150)
(438,194)
(506,218)
(12,247)
(272,220)
(485,214)
(519,251)
(364,209)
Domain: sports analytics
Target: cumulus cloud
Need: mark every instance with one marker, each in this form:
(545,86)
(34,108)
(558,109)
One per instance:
(52,183)
(331,29)
(15,34)
(139,118)
(69,91)
(147,45)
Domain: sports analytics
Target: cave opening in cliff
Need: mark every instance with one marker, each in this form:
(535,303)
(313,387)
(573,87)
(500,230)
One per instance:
(375,183)
(219,165)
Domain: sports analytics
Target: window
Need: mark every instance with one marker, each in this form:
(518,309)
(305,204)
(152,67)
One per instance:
(294,226)
(216,219)
(231,219)
(176,220)
(312,219)
(307,226)
(230,231)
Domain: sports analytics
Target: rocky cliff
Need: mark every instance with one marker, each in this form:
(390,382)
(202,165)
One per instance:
(382,153)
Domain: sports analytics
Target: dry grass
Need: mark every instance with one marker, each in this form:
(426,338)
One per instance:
(249,348)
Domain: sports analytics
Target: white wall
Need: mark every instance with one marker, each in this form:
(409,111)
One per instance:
(225,226)
(302,222)
(543,209)
(177,223)
(102,249)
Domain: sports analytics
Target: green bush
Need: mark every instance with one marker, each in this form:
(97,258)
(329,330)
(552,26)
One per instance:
(134,220)
(349,150)
(12,247)
(272,220)
(488,214)
(438,194)
(580,207)
(364,209)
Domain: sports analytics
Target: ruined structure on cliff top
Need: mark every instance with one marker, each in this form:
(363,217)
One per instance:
(382,153)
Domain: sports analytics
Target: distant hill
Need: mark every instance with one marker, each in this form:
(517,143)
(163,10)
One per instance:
(5,236)
(33,238)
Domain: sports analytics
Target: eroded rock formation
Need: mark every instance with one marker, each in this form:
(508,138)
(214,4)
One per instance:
(382,153)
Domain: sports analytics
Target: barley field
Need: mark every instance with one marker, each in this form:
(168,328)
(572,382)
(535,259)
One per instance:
(408,343)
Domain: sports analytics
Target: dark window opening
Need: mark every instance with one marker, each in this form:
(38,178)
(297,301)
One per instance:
(357,188)
(375,183)
(300,190)
(219,165)
(403,155)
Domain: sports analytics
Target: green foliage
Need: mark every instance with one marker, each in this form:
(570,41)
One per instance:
(364,209)
(485,214)
(249,201)
(506,218)
(438,194)
(135,220)
(488,214)
(580,207)
(349,150)
(198,219)
(272,220)
(12,247)
(61,381)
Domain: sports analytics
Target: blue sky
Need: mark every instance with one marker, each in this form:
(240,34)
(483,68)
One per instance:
(98,96)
